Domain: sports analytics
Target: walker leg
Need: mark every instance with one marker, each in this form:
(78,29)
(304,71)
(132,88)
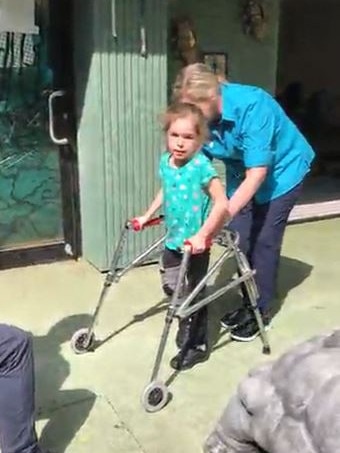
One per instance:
(155,395)
(84,339)
(264,337)
(251,288)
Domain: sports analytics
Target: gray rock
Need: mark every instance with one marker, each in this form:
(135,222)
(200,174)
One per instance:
(288,405)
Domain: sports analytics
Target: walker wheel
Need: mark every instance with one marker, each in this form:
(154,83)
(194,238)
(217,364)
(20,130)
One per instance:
(155,396)
(81,342)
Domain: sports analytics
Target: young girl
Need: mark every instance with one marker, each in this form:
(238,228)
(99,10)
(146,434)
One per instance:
(189,185)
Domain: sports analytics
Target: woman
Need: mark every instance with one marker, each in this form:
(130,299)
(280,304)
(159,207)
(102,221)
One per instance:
(266,159)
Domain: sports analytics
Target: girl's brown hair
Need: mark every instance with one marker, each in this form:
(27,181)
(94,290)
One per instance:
(185,110)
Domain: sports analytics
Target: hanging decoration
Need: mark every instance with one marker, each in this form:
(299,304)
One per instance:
(254,19)
(184,40)
(142,27)
(143,46)
(114,18)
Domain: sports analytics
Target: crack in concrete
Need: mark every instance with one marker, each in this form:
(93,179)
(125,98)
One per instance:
(122,424)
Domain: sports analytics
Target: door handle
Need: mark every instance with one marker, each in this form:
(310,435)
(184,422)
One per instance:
(52,97)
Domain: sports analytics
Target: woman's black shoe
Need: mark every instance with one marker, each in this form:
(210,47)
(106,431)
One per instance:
(236,318)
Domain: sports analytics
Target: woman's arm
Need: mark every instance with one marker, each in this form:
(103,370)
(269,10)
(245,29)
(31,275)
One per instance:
(258,129)
(247,189)
(216,219)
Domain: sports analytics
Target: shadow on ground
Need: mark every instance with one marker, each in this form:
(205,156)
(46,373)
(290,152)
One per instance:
(160,307)
(65,410)
(292,273)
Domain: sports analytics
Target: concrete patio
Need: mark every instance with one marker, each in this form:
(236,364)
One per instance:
(91,403)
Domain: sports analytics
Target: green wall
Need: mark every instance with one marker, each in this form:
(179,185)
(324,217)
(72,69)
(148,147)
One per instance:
(120,94)
(219,29)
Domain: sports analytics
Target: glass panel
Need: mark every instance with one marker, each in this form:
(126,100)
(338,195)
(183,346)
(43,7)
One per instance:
(30,195)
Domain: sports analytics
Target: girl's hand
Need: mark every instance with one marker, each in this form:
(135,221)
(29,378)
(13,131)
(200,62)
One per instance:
(198,243)
(142,220)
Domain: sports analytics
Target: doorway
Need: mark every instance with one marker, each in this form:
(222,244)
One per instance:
(39,209)
(308,87)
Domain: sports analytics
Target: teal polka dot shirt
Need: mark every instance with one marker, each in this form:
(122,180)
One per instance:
(185,198)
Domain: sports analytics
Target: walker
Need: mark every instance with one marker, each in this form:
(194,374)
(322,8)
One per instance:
(156,394)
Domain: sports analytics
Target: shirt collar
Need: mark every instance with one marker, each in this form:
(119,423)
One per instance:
(228,110)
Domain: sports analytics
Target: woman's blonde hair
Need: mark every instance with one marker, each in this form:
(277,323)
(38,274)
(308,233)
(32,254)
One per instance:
(184,110)
(196,82)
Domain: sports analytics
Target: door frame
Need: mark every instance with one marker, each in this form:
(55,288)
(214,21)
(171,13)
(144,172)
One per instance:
(61,50)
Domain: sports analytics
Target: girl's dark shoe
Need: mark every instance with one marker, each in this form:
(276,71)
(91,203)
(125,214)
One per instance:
(186,361)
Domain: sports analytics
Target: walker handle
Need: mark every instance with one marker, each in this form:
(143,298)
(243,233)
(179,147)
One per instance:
(188,245)
(135,225)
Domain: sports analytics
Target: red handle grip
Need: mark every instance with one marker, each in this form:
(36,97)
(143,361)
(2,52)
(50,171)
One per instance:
(152,222)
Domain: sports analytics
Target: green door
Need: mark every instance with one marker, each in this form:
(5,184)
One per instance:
(38,162)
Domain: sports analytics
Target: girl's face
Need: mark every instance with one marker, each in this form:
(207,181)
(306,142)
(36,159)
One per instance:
(183,139)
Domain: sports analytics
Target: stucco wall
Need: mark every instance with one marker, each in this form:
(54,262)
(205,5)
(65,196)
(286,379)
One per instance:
(219,28)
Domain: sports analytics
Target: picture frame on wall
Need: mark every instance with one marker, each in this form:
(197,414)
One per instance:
(217,62)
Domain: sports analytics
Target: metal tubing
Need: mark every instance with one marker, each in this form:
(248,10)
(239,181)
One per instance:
(140,257)
(203,282)
(246,276)
(184,312)
(175,301)
(113,275)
